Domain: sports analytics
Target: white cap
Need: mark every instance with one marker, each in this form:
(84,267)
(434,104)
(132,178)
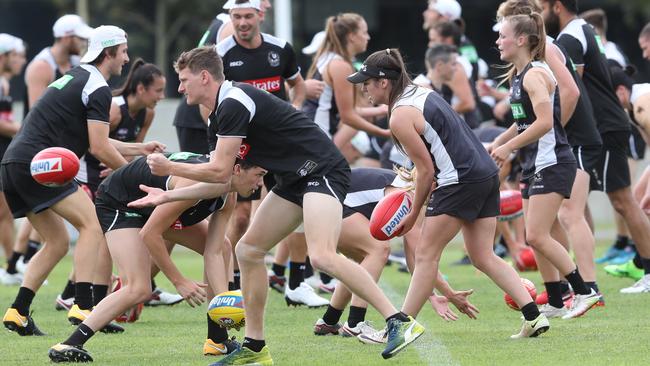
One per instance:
(102,37)
(318,40)
(639,90)
(10,43)
(71,25)
(361,142)
(255,4)
(449,8)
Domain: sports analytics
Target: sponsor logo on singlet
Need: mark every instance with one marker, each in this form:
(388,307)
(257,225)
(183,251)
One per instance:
(61,82)
(46,166)
(270,85)
(601,48)
(236,63)
(518,111)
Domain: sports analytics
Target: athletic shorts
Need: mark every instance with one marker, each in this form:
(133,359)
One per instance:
(193,140)
(269,183)
(636,145)
(587,158)
(334,182)
(612,168)
(113,219)
(24,194)
(556,178)
(466,201)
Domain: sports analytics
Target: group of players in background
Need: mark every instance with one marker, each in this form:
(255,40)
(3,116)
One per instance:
(562,118)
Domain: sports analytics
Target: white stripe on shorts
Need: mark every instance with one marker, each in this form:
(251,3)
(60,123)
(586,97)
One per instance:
(327,183)
(117,213)
(605,168)
(582,166)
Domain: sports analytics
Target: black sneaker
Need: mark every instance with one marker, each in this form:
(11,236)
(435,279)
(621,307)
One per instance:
(23,325)
(64,353)
(465,261)
(111,328)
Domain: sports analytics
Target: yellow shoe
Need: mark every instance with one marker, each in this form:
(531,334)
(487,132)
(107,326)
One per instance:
(23,325)
(64,353)
(76,316)
(210,348)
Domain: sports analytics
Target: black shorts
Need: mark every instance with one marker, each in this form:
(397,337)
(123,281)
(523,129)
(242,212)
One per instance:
(193,140)
(113,219)
(269,183)
(636,146)
(334,182)
(466,201)
(612,168)
(24,194)
(587,158)
(556,178)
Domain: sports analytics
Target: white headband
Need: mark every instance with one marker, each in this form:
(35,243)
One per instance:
(231,4)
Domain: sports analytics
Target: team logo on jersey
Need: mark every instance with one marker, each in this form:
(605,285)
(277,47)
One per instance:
(236,63)
(274,59)
(244,148)
(43,166)
(307,168)
(518,111)
(270,85)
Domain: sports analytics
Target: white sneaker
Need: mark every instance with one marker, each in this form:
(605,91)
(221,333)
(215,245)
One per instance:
(9,279)
(328,287)
(314,281)
(532,328)
(363,327)
(304,295)
(21,266)
(552,312)
(641,286)
(160,297)
(63,304)
(378,337)
(581,304)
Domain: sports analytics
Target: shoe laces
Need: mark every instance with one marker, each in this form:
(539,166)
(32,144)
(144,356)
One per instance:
(393,326)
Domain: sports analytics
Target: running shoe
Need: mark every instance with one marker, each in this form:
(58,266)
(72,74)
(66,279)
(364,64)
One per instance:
(641,286)
(542,298)
(610,254)
(245,356)
(400,335)
(211,348)
(363,327)
(278,283)
(77,316)
(379,337)
(314,281)
(21,265)
(322,328)
(63,304)
(64,353)
(581,304)
(328,287)
(11,279)
(627,269)
(304,295)
(23,325)
(551,311)
(532,328)
(160,297)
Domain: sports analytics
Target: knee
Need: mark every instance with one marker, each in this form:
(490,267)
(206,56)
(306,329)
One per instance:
(139,291)
(382,252)
(568,217)
(56,248)
(621,201)
(247,253)
(322,261)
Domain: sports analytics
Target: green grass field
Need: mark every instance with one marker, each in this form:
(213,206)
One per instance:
(614,335)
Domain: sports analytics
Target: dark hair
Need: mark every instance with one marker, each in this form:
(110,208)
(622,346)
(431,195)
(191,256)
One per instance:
(621,76)
(140,73)
(570,5)
(108,51)
(337,29)
(449,29)
(532,26)
(245,164)
(645,32)
(597,18)
(201,58)
(439,52)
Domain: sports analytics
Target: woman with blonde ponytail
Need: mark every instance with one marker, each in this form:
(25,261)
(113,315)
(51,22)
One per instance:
(549,167)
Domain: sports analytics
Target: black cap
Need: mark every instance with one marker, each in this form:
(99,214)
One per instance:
(622,76)
(372,72)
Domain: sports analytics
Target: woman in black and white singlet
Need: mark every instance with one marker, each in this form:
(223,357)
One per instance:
(549,167)
(449,157)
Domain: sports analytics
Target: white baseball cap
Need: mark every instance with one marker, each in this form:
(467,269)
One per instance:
(10,43)
(449,8)
(231,4)
(71,25)
(318,40)
(102,37)
(639,90)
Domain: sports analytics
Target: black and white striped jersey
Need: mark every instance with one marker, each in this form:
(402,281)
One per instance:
(458,156)
(552,148)
(60,117)
(323,111)
(367,189)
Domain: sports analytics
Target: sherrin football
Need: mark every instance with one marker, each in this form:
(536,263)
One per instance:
(388,214)
(510,205)
(529,285)
(54,166)
(227,309)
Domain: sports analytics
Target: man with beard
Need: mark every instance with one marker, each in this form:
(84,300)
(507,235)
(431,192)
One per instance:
(588,55)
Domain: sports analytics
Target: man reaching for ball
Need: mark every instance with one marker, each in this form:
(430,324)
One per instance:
(73,113)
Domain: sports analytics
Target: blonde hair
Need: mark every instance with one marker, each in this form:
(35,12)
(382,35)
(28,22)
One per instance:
(407,175)
(532,26)
(337,29)
(517,7)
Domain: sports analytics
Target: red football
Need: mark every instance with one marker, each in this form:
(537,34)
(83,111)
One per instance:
(511,205)
(529,285)
(525,260)
(54,166)
(130,315)
(388,214)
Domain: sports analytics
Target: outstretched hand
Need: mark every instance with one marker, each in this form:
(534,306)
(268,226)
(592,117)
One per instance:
(154,197)
(460,299)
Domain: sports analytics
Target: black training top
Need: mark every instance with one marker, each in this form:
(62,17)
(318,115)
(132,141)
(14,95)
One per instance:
(367,189)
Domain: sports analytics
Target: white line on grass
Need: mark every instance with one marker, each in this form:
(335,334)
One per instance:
(430,348)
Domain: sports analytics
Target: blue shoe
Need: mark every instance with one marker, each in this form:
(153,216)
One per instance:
(624,257)
(400,335)
(611,253)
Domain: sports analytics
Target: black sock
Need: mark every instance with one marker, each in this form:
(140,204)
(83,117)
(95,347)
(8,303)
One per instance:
(11,263)
(325,278)
(564,287)
(278,269)
(645,263)
(356,316)
(231,286)
(592,285)
(621,242)
(216,333)
(399,316)
(296,274)
(68,291)
(80,336)
(577,282)
(638,263)
(530,311)
(237,279)
(99,293)
(554,291)
(309,270)
(153,285)
(332,315)
(83,295)
(32,247)
(254,345)
(23,301)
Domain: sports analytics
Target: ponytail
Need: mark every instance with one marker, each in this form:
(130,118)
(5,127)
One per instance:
(337,29)
(532,26)
(140,73)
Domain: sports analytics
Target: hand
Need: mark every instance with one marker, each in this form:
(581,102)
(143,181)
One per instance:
(159,164)
(461,302)
(153,147)
(483,88)
(385,133)
(154,197)
(193,292)
(408,222)
(383,109)
(105,172)
(501,154)
(441,306)
(314,88)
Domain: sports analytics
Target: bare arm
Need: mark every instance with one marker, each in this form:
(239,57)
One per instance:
(569,92)
(102,147)
(459,85)
(298,91)
(148,119)
(38,76)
